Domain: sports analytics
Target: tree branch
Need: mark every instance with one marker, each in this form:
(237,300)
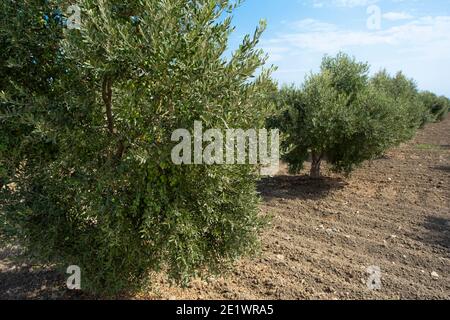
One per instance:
(107,100)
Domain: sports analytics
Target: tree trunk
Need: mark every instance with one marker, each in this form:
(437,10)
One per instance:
(107,99)
(316,160)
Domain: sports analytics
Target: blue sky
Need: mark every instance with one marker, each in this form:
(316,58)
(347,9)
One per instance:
(412,36)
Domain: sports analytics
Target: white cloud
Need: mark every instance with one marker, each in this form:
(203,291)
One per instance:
(420,47)
(313,25)
(343,3)
(353,3)
(324,37)
(395,16)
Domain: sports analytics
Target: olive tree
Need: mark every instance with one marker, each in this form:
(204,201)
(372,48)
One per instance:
(438,107)
(98,188)
(30,60)
(406,98)
(338,115)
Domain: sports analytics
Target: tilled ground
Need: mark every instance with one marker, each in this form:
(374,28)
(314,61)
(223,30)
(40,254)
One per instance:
(392,213)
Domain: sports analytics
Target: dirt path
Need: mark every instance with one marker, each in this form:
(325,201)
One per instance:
(393,213)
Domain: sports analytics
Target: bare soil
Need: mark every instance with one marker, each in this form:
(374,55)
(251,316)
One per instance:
(392,213)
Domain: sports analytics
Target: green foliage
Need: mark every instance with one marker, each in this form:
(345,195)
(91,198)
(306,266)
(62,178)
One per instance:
(346,75)
(30,61)
(344,117)
(438,107)
(95,183)
(406,97)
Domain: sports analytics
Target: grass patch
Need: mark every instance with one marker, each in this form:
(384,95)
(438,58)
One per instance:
(428,147)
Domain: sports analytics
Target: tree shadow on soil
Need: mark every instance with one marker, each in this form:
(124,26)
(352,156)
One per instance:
(442,168)
(298,187)
(438,233)
(21,281)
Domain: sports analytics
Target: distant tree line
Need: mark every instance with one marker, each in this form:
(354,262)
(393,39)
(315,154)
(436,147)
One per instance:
(344,116)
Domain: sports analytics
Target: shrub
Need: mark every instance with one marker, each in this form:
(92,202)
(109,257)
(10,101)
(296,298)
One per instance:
(341,116)
(405,97)
(438,107)
(98,188)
